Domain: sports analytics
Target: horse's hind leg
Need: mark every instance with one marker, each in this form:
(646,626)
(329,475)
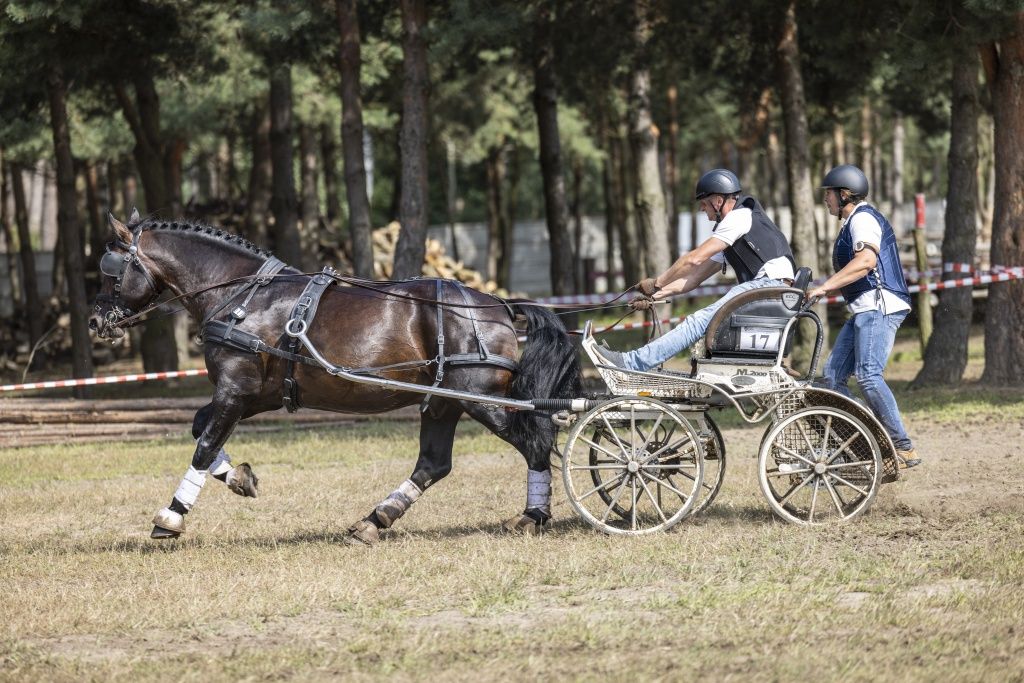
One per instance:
(211,427)
(437,434)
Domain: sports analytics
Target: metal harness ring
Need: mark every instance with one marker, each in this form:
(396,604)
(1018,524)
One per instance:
(298,331)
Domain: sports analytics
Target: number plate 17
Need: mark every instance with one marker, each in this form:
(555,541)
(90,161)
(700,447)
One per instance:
(760,338)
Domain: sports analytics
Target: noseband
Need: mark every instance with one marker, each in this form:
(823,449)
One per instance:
(117,265)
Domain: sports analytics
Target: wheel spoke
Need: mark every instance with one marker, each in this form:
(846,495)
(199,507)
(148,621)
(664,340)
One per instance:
(615,500)
(654,502)
(803,433)
(632,512)
(779,473)
(844,465)
(674,466)
(609,466)
(653,431)
(793,453)
(794,489)
(669,486)
(846,483)
(814,500)
(845,446)
(836,499)
(615,435)
(605,485)
(601,448)
(656,455)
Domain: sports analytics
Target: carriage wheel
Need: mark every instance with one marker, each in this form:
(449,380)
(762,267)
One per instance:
(714,467)
(633,466)
(819,465)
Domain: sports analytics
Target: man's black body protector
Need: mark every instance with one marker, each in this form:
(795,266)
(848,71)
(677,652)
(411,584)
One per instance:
(761,244)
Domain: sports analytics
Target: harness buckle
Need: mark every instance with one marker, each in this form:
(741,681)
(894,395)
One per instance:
(239,313)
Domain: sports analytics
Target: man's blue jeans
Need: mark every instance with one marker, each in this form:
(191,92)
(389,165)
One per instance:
(862,349)
(687,332)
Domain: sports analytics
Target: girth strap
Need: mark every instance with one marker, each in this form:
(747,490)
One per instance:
(482,357)
(302,316)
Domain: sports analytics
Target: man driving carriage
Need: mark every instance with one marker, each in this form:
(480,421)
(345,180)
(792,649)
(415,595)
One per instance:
(743,237)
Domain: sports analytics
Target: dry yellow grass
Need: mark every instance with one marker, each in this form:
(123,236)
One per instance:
(925,586)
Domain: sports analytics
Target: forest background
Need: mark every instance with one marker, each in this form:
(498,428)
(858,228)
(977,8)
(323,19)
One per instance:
(303,126)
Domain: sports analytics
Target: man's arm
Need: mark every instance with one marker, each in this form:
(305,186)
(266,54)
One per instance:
(690,269)
(863,262)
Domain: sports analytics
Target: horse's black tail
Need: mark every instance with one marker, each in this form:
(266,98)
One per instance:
(548,368)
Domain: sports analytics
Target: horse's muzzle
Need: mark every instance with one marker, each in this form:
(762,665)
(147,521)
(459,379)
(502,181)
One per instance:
(106,326)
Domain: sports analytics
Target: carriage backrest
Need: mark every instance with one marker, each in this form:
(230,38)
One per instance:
(751,324)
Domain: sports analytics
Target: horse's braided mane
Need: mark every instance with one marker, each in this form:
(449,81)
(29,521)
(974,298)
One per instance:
(207,230)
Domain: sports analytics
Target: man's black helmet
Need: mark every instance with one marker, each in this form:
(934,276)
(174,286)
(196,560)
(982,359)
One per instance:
(717,181)
(847,177)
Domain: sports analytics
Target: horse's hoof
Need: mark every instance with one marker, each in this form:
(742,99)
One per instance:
(524,525)
(168,524)
(161,533)
(243,481)
(363,533)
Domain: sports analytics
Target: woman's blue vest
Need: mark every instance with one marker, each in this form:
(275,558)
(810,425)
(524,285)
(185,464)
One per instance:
(888,272)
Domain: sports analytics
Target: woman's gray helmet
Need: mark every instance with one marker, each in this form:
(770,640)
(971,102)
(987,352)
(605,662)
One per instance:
(846,177)
(717,181)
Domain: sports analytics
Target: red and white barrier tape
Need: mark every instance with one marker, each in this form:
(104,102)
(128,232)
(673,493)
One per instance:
(93,381)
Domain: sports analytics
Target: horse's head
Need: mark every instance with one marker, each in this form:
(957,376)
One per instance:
(127,284)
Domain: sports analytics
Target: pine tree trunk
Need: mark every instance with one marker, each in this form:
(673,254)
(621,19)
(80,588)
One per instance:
(509,220)
(671,172)
(650,200)
(67,221)
(33,304)
(801,197)
(413,212)
(329,156)
(1004,326)
(159,352)
(173,158)
(545,104)
(97,227)
(260,178)
(576,211)
(283,199)
(350,64)
(9,240)
(945,357)
(629,238)
(496,213)
(310,199)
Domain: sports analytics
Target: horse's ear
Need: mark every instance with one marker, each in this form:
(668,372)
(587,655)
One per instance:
(121,231)
(134,219)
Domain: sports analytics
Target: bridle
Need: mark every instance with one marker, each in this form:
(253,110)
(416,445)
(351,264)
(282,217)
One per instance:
(117,265)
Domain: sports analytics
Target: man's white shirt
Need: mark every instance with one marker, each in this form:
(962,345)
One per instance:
(735,225)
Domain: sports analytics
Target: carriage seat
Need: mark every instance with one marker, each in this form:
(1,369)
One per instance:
(750,326)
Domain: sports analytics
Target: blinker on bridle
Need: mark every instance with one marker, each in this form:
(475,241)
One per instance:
(117,265)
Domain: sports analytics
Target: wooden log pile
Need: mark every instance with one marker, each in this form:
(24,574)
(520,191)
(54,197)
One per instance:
(436,262)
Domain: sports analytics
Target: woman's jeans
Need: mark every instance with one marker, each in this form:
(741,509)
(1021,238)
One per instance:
(687,332)
(862,349)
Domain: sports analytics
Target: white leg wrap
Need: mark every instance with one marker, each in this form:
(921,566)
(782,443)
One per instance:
(190,486)
(538,490)
(394,506)
(221,464)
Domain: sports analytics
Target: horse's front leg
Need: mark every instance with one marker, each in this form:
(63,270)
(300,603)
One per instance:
(211,428)
(437,434)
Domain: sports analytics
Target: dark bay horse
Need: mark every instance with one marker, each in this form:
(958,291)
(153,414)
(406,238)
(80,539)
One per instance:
(387,329)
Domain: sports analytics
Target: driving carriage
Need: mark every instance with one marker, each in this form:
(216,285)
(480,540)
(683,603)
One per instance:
(635,459)
(649,454)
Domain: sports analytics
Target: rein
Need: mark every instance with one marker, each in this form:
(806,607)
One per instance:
(136,318)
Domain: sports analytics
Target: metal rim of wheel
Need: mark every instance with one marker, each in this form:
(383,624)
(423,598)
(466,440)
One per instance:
(819,465)
(642,446)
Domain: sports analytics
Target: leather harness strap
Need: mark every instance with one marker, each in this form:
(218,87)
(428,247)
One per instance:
(302,315)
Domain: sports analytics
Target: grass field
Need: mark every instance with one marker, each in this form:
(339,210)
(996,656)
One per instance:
(926,586)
